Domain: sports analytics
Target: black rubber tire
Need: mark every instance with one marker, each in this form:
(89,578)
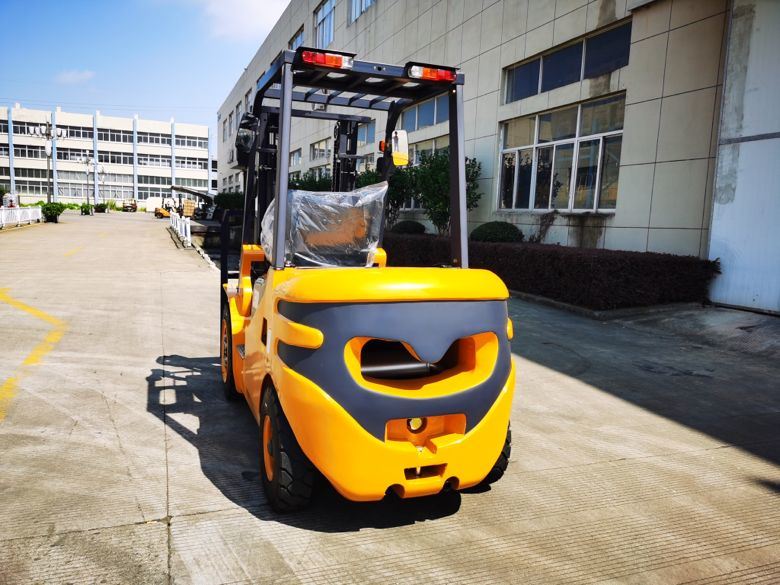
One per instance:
(226,345)
(292,484)
(502,462)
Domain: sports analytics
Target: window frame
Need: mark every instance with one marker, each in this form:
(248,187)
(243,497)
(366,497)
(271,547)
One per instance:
(328,20)
(578,138)
(416,109)
(361,5)
(563,46)
(294,41)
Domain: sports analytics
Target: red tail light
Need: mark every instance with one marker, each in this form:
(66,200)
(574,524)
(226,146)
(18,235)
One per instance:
(327,59)
(431,73)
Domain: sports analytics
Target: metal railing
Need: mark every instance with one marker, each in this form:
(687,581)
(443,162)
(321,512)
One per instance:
(13,216)
(181,225)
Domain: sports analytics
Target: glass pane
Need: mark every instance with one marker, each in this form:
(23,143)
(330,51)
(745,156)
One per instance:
(410,120)
(523,81)
(603,115)
(610,169)
(543,168)
(562,67)
(371,132)
(526,158)
(558,125)
(442,108)
(425,114)
(506,190)
(607,51)
(562,176)
(443,142)
(585,182)
(519,132)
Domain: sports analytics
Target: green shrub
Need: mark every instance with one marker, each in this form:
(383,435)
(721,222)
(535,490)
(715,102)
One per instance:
(432,182)
(229,200)
(52,211)
(112,205)
(100,207)
(496,231)
(408,226)
(367,177)
(309,181)
(86,209)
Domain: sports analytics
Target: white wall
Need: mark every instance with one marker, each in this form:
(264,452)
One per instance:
(746,208)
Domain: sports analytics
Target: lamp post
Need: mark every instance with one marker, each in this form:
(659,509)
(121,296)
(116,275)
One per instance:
(45,131)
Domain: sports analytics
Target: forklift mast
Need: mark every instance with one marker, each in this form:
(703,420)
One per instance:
(344,155)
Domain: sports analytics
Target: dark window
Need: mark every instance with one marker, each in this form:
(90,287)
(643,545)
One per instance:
(607,51)
(410,120)
(442,108)
(562,67)
(522,81)
(425,114)
(507,180)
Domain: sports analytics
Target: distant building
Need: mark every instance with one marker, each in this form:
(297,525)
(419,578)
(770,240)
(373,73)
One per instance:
(98,157)
(646,125)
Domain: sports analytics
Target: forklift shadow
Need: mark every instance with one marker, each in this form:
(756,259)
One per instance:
(186,394)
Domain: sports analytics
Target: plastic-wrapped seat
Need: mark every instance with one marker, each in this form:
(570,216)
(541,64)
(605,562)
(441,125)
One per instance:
(329,228)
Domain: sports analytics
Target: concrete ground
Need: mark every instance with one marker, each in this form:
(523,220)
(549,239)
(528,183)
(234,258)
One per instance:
(639,455)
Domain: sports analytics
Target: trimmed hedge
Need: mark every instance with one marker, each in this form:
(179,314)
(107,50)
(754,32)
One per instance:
(496,231)
(593,278)
(408,226)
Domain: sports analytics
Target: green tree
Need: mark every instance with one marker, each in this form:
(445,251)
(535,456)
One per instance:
(432,181)
(309,181)
(229,200)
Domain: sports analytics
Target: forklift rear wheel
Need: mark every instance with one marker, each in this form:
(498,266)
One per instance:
(288,476)
(226,356)
(501,464)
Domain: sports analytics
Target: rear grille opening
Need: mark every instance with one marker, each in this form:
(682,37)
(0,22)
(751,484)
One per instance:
(393,360)
(425,471)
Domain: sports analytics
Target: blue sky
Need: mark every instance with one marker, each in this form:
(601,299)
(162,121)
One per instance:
(157,58)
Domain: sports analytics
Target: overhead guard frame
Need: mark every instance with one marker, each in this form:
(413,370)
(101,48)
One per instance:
(374,86)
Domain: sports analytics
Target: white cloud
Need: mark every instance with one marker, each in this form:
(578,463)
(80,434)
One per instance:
(74,76)
(242,20)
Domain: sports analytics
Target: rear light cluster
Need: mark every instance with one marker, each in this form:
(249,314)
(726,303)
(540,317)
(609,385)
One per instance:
(431,73)
(327,59)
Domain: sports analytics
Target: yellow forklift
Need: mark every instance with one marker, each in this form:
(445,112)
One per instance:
(379,379)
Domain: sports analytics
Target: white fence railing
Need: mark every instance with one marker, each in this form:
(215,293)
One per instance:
(181,225)
(13,216)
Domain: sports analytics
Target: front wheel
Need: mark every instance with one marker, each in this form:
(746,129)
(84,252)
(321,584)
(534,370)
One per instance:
(288,475)
(226,356)
(499,467)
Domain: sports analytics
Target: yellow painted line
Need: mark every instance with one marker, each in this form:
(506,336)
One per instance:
(73,250)
(10,385)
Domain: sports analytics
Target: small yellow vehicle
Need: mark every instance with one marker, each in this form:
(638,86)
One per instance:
(379,379)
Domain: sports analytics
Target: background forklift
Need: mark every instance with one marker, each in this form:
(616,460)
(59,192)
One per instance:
(380,379)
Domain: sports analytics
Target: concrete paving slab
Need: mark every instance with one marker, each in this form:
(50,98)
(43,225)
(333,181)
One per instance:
(639,454)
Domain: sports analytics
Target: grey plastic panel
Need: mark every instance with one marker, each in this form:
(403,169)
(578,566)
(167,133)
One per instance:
(429,327)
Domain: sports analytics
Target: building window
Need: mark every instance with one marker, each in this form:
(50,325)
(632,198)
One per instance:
(365,163)
(596,55)
(428,113)
(238,115)
(224,130)
(247,104)
(319,149)
(567,159)
(295,158)
(358,7)
(230,124)
(323,23)
(321,172)
(297,40)
(366,133)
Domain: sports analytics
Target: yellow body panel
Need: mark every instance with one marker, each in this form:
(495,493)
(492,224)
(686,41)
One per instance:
(360,466)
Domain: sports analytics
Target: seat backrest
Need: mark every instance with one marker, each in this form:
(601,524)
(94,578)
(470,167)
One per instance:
(330,228)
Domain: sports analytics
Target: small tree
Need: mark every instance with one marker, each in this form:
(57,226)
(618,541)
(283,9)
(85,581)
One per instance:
(401,188)
(310,181)
(432,180)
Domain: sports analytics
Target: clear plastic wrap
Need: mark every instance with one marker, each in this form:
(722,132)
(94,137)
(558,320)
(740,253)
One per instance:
(329,228)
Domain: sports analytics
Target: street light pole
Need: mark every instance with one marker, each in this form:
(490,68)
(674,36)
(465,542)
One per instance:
(45,131)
